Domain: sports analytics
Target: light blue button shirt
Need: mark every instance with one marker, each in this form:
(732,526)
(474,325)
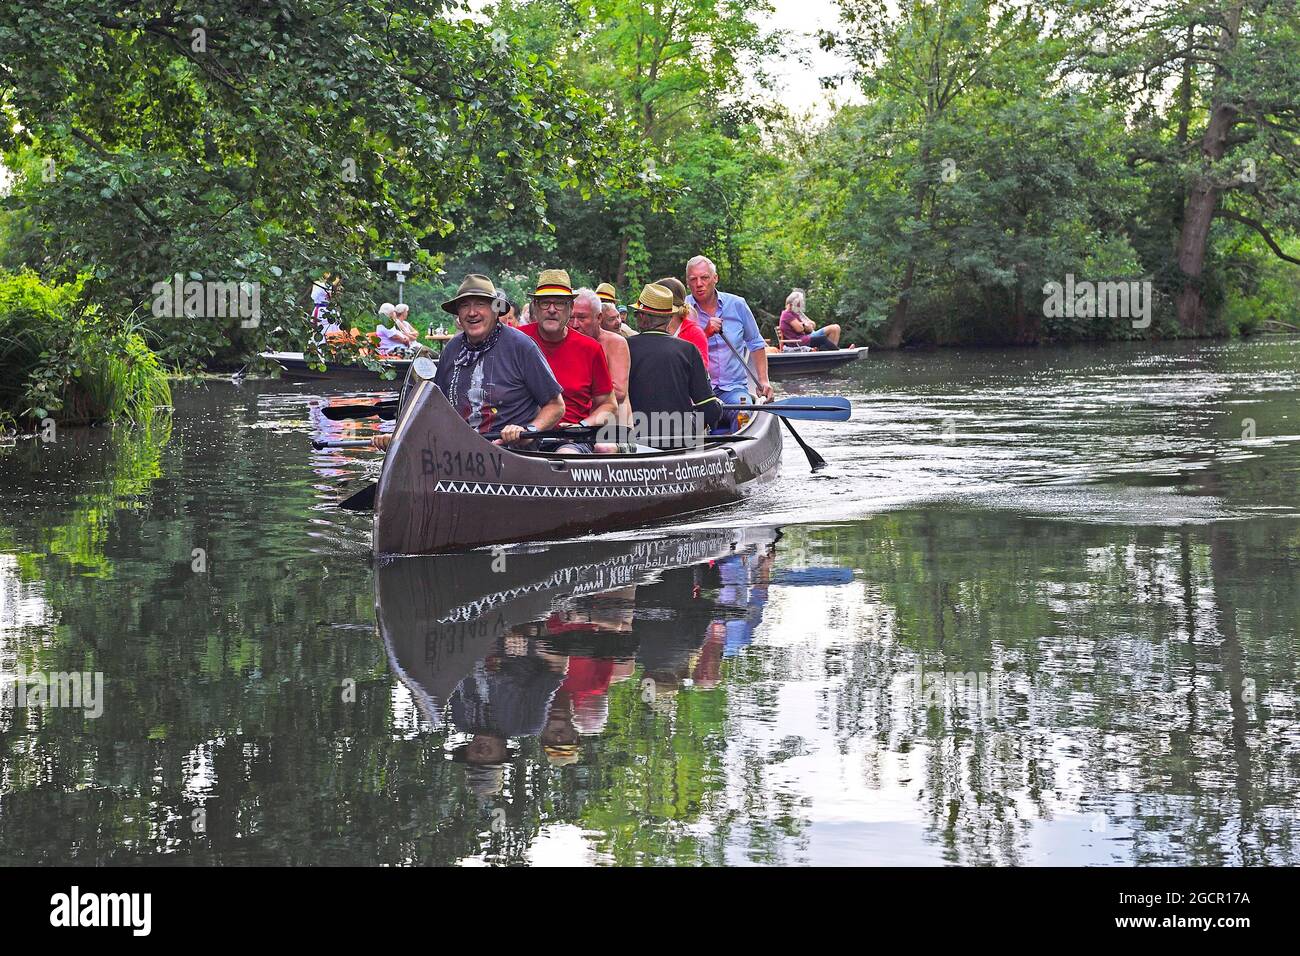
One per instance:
(741,330)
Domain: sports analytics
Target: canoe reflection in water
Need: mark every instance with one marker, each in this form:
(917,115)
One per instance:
(506,645)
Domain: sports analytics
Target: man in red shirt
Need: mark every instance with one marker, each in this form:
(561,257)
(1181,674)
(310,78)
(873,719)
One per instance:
(578,362)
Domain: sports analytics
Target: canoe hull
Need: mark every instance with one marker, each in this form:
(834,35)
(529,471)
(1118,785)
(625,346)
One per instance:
(445,488)
(798,363)
(296,365)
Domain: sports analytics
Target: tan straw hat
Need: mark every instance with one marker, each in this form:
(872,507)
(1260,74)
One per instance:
(605,292)
(655,300)
(554,282)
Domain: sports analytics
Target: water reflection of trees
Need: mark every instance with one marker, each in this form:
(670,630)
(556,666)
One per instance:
(1142,677)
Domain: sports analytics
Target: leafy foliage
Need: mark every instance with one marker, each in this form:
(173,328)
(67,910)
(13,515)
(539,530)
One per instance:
(59,357)
(267,143)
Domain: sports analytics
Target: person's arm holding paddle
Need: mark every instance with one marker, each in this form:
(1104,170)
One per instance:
(547,416)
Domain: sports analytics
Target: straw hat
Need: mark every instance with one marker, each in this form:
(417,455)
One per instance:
(679,293)
(472,285)
(561,755)
(655,300)
(605,292)
(554,282)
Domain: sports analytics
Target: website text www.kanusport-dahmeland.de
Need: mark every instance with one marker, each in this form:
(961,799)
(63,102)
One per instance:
(658,474)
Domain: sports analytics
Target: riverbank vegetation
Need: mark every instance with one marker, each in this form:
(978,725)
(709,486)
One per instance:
(62,359)
(985,150)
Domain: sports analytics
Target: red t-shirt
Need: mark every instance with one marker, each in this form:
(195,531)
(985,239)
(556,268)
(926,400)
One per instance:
(695,335)
(579,366)
(588,677)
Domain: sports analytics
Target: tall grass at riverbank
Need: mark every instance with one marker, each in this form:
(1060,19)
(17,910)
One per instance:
(62,359)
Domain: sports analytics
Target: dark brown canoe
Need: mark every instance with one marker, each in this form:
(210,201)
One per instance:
(798,363)
(445,488)
(296,365)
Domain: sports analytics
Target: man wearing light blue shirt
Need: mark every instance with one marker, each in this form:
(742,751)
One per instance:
(727,317)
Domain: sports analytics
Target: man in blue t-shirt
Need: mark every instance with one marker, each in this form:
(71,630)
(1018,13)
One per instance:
(728,317)
(493,375)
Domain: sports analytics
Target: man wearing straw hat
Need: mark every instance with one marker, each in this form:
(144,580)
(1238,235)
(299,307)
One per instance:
(611,315)
(493,375)
(668,385)
(577,360)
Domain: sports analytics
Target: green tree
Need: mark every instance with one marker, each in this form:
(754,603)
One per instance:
(1215,92)
(267,142)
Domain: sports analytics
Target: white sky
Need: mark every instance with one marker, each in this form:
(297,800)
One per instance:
(797,84)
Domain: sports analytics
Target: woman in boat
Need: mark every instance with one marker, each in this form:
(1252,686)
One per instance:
(398,339)
(508,311)
(322,291)
(797,329)
(494,376)
(685,323)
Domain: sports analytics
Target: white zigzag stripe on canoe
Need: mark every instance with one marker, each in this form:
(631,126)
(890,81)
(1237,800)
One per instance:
(557,491)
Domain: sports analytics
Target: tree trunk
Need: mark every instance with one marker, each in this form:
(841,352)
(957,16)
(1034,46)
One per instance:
(621,274)
(1203,196)
(1026,326)
(891,335)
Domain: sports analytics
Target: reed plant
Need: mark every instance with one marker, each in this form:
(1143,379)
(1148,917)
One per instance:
(61,358)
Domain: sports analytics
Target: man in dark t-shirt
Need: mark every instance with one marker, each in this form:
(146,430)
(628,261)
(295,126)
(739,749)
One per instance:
(494,376)
(668,386)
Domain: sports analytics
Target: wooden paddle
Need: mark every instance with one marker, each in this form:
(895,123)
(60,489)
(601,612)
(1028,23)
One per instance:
(578,434)
(815,461)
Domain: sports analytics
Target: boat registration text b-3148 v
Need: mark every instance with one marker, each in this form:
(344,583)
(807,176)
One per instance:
(467,464)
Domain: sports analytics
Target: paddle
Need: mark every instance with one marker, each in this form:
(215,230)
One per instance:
(319,443)
(816,409)
(386,410)
(815,461)
(577,433)
(819,408)
(363,500)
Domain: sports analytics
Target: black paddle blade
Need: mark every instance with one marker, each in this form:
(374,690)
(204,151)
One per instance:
(363,500)
(815,461)
(340,413)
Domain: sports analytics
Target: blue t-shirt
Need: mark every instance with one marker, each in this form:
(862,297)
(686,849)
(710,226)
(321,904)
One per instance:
(741,330)
(505,386)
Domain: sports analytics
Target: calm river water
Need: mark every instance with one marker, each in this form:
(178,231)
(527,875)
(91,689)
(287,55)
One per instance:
(1041,609)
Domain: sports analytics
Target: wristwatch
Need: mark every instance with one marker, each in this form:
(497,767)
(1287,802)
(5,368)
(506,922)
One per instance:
(530,428)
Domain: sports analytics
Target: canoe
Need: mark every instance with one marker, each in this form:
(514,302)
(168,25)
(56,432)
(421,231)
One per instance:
(296,365)
(438,615)
(795,363)
(443,487)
